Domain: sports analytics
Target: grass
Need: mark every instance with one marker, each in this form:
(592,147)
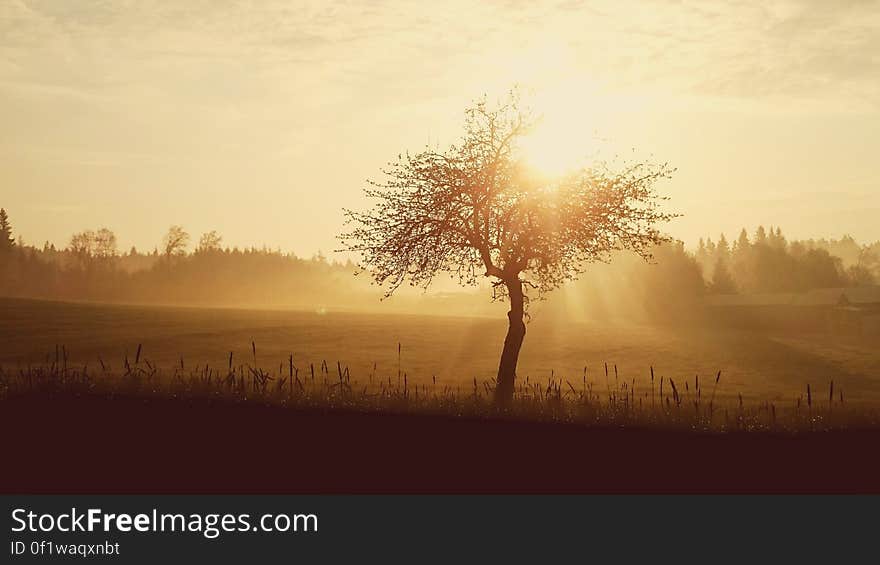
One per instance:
(609,400)
(666,377)
(454,351)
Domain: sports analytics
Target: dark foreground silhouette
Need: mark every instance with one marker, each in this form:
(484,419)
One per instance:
(130,444)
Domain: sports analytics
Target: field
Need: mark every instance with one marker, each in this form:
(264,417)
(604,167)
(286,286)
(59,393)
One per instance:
(96,398)
(454,351)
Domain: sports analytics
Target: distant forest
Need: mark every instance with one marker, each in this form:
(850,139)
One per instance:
(91,267)
(768,263)
(183,271)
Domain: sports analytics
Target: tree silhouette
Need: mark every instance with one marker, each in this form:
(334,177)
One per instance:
(105,244)
(175,241)
(477,210)
(82,246)
(210,241)
(7,242)
(722,279)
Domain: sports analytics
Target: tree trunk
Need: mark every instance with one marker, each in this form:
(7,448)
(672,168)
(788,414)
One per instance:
(516,331)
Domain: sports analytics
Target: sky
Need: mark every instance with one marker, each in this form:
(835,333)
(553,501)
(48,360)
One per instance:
(263,119)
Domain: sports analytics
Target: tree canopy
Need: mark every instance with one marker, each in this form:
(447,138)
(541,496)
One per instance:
(478,209)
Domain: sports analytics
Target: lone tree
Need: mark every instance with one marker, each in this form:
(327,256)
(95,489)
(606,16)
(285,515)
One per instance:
(477,210)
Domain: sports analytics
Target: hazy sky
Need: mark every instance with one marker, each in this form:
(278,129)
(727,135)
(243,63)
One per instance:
(262,119)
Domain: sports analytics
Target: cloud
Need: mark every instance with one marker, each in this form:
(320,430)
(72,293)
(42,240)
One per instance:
(216,92)
(793,49)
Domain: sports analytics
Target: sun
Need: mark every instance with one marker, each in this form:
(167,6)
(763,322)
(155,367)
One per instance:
(569,102)
(565,138)
(554,151)
(580,114)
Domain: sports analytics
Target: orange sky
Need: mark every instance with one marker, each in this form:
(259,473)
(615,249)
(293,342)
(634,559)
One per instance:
(262,119)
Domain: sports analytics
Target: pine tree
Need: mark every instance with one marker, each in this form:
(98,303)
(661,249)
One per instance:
(7,241)
(743,242)
(701,252)
(775,238)
(780,239)
(722,279)
(710,247)
(722,250)
(760,236)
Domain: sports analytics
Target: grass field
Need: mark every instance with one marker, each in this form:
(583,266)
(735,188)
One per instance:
(454,350)
(150,426)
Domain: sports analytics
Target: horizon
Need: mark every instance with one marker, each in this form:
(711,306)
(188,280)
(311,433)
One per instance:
(335,256)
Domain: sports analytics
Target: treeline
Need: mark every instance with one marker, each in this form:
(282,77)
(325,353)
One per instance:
(180,270)
(91,267)
(767,262)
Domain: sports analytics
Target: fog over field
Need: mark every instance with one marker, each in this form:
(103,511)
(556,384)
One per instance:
(455,350)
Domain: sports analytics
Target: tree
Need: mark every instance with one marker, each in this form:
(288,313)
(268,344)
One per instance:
(722,279)
(105,244)
(760,236)
(476,210)
(820,269)
(701,250)
(869,258)
(676,276)
(742,243)
(210,241)
(859,275)
(722,250)
(7,241)
(175,241)
(776,239)
(710,247)
(82,245)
